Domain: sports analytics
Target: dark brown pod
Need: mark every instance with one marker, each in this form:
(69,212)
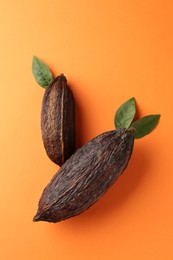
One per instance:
(86,176)
(58,121)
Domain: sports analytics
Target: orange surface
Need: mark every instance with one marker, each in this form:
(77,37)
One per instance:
(109,51)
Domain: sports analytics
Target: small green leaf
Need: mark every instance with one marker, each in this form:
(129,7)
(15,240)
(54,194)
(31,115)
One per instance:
(145,125)
(41,72)
(125,114)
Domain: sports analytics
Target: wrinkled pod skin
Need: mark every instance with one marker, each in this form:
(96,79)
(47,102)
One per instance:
(58,121)
(86,176)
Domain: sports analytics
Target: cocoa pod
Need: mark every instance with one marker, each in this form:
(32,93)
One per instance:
(58,121)
(86,176)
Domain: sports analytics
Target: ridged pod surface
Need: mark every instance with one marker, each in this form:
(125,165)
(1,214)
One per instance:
(86,176)
(58,121)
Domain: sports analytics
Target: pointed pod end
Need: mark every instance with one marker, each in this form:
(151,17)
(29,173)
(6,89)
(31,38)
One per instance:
(36,218)
(62,76)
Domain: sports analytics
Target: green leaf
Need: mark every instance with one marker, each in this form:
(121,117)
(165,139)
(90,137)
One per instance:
(41,72)
(145,125)
(125,114)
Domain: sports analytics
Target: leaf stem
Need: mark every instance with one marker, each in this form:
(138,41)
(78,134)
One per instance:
(131,130)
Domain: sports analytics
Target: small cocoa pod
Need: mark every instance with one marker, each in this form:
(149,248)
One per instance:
(86,176)
(58,121)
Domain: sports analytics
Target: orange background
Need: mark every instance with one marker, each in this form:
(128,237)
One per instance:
(109,52)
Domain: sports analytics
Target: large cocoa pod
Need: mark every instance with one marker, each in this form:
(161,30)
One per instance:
(58,121)
(86,176)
